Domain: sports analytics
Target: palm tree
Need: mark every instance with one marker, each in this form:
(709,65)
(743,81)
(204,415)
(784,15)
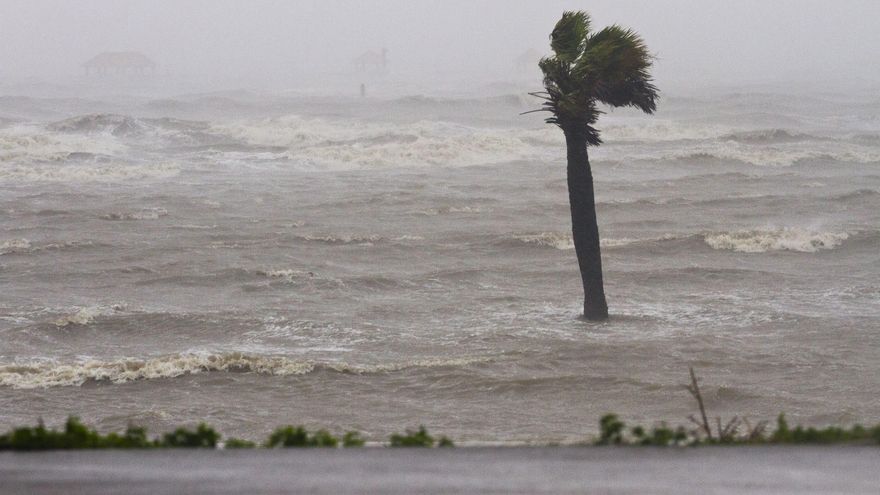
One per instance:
(610,66)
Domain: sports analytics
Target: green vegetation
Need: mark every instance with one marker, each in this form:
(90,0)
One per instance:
(202,437)
(352,439)
(237,443)
(290,436)
(831,434)
(614,432)
(75,435)
(411,438)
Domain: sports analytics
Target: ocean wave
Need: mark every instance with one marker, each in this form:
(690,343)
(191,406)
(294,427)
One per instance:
(765,136)
(74,173)
(28,144)
(341,239)
(117,125)
(24,246)
(565,241)
(170,130)
(858,194)
(662,130)
(777,155)
(144,214)
(449,210)
(293,276)
(43,374)
(15,246)
(357,144)
(783,239)
(87,315)
(548,239)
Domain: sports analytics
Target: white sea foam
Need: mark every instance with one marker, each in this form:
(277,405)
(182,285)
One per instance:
(28,143)
(287,274)
(43,374)
(15,246)
(77,172)
(143,214)
(550,239)
(87,315)
(356,144)
(661,130)
(342,239)
(18,246)
(784,239)
(564,241)
(773,155)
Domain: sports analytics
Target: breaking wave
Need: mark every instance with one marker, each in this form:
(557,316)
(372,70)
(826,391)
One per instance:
(780,155)
(117,125)
(50,374)
(87,315)
(15,246)
(785,239)
(765,136)
(746,241)
(24,246)
(564,241)
(73,173)
(28,143)
(355,144)
(144,214)
(342,239)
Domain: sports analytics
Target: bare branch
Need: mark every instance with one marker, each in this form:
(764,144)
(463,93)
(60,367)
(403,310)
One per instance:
(694,389)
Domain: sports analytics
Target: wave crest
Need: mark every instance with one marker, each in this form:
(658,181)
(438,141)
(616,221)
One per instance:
(565,241)
(49,374)
(15,246)
(785,239)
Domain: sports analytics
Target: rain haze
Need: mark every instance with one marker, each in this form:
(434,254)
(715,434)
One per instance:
(282,45)
(342,215)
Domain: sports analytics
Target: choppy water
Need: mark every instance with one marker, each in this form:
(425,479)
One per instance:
(373,264)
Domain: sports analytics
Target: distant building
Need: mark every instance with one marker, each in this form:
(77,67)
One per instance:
(371,61)
(119,63)
(527,61)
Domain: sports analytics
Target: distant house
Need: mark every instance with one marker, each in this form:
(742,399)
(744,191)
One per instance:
(371,61)
(119,63)
(527,61)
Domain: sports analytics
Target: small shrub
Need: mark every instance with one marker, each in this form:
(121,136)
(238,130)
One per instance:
(203,437)
(445,441)
(419,438)
(323,438)
(352,439)
(290,436)
(134,438)
(610,430)
(237,443)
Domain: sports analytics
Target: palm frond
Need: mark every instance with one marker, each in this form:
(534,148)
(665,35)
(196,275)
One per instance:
(617,62)
(611,66)
(569,35)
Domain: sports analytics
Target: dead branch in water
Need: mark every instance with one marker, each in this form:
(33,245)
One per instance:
(694,389)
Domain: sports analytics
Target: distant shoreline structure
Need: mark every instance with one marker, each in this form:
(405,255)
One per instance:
(119,63)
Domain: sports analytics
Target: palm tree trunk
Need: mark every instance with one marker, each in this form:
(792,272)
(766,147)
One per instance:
(584,228)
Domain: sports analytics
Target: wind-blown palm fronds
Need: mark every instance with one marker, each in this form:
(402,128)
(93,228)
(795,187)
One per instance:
(610,66)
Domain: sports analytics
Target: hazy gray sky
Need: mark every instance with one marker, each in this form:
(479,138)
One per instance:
(697,41)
